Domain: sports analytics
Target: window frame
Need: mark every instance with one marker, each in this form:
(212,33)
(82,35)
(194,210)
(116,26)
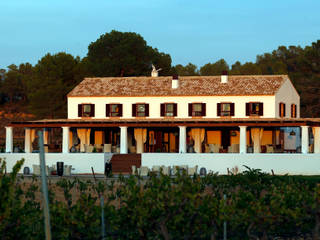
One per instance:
(119,105)
(194,112)
(282,109)
(293,110)
(220,110)
(86,114)
(251,113)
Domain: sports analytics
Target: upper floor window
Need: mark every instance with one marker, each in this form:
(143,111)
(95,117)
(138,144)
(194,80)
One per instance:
(197,109)
(254,109)
(140,110)
(85,110)
(114,110)
(168,109)
(293,110)
(225,109)
(282,109)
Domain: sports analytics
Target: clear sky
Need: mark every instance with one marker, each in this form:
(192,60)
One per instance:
(197,31)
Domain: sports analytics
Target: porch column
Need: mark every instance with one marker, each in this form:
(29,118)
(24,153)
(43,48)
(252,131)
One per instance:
(123,140)
(182,139)
(9,140)
(65,139)
(304,139)
(27,140)
(243,139)
(316,139)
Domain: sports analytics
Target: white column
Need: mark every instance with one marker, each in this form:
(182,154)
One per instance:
(123,140)
(304,139)
(316,139)
(9,140)
(27,140)
(182,139)
(243,139)
(65,139)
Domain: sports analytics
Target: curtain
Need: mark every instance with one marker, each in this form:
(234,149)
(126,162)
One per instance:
(45,136)
(197,135)
(32,137)
(70,139)
(316,139)
(82,136)
(256,137)
(98,137)
(140,135)
(88,136)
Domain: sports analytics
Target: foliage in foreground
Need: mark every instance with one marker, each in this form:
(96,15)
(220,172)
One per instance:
(256,206)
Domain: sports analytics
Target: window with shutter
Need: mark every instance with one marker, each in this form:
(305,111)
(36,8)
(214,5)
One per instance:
(282,110)
(197,109)
(225,109)
(115,110)
(87,110)
(293,110)
(168,110)
(140,109)
(254,109)
(79,110)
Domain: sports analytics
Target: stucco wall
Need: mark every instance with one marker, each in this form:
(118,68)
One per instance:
(154,105)
(287,94)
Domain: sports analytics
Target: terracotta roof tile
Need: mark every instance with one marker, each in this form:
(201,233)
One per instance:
(188,86)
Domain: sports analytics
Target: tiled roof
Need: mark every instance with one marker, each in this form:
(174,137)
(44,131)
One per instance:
(188,86)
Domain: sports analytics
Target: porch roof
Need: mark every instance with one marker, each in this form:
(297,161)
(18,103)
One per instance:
(170,122)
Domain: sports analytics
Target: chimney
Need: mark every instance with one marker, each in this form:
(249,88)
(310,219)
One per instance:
(175,81)
(224,77)
(154,73)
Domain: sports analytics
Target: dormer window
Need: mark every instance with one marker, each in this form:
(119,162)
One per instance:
(254,109)
(140,110)
(197,109)
(114,110)
(85,110)
(168,109)
(282,110)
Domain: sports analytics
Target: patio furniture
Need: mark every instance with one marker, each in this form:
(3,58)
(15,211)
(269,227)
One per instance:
(270,149)
(234,148)
(132,149)
(192,170)
(107,148)
(144,171)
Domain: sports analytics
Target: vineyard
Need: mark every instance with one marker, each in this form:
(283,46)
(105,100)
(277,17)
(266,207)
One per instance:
(253,204)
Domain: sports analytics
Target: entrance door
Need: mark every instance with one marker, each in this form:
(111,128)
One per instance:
(225,138)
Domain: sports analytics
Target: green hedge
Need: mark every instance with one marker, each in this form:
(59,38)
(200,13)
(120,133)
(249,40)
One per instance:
(256,206)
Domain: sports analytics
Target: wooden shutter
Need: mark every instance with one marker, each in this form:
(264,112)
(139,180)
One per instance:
(260,109)
(134,110)
(247,109)
(120,110)
(231,109)
(175,109)
(284,109)
(146,110)
(203,108)
(79,110)
(162,109)
(190,109)
(280,109)
(107,110)
(218,109)
(92,110)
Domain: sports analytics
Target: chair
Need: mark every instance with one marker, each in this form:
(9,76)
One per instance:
(270,149)
(144,171)
(67,170)
(90,148)
(132,149)
(234,148)
(192,170)
(98,147)
(107,148)
(134,170)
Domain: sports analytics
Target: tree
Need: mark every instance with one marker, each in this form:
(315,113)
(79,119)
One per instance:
(54,76)
(211,69)
(124,54)
(187,70)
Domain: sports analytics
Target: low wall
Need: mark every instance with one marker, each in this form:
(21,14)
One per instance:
(81,162)
(306,164)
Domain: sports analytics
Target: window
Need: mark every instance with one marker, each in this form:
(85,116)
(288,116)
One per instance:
(282,110)
(254,109)
(197,109)
(168,109)
(225,109)
(293,110)
(85,110)
(114,110)
(140,110)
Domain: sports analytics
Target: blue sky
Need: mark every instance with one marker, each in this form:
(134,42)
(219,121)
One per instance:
(190,31)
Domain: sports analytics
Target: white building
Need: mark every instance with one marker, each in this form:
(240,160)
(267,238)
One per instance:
(209,121)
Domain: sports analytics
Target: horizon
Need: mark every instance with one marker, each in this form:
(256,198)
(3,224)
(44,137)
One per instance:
(190,32)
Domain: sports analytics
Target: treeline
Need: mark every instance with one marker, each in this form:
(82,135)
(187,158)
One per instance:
(41,89)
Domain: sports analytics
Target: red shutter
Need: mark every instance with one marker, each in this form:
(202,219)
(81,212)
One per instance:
(231,109)
(203,109)
(260,109)
(147,110)
(190,109)
(79,110)
(218,109)
(107,110)
(247,109)
(162,109)
(134,110)
(120,110)
(284,110)
(175,109)
(92,110)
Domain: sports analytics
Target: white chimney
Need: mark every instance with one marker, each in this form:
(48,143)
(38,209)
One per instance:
(175,81)
(224,77)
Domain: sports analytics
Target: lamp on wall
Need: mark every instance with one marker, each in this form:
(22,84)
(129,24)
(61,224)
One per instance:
(233,133)
(292,133)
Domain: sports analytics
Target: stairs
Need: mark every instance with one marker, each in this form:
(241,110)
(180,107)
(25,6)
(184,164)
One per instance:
(121,163)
